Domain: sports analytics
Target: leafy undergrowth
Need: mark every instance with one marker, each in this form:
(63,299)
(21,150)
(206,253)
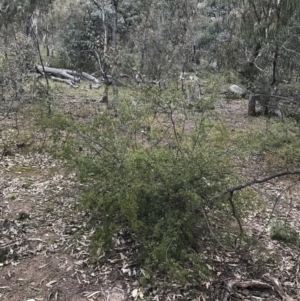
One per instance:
(45,245)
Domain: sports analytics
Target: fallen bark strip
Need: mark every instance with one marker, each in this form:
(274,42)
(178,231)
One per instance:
(252,283)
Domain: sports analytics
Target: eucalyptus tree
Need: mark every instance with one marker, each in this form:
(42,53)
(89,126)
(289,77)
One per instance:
(262,45)
(23,13)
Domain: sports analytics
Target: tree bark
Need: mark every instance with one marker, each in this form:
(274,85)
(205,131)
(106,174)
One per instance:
(101,6)
(252,105)
(31,26)
(115,4)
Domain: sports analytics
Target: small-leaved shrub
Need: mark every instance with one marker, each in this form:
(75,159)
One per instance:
(151,168)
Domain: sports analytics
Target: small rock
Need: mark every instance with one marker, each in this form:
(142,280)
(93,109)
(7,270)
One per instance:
(23,215)
(237,90)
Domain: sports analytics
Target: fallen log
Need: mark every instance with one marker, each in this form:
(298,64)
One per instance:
(98,86)
(64,73)
(72,75)
(83,74)
(64,80)
(90,77)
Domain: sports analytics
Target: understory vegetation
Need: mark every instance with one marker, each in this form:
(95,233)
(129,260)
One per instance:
(156,170)
(150,169)
(167,153)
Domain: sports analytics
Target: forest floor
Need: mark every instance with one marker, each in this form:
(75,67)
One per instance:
(46,245)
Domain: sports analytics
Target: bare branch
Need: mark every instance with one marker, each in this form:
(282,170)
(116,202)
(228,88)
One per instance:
(255,181)
(209,227)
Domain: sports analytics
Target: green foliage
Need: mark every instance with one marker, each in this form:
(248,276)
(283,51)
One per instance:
(80,27)
(79,40)
(151,171)
(283,232)
(83,34)
(262,28)
(28,184)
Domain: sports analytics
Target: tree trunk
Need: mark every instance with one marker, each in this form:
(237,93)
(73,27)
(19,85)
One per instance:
(115,24)
(46,40)
(101,6)
(252,105)
(104,27)
(32,27)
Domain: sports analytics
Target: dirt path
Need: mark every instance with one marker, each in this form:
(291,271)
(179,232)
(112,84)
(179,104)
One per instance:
(47,260)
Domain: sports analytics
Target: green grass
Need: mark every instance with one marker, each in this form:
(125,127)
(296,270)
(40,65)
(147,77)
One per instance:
(285,233)
(13,196)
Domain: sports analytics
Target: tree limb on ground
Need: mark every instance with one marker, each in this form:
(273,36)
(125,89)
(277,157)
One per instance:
(255,181)
(230,191)
(64,80)
(72,75)
(278,288)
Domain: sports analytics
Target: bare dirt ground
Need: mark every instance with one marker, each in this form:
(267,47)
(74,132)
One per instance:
(47,254)
(46,245)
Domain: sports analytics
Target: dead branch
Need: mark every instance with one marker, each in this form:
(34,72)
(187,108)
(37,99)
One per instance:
(209,227)
(233,284)
(278,288)
(255,181)
(64,80)
(241,186)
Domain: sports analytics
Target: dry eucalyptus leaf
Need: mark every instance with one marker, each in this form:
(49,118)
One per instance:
(134,293)
(93,294)
(50,284)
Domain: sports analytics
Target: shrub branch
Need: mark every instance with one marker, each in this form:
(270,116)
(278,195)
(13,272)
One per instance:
(241,186)
(255,181)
